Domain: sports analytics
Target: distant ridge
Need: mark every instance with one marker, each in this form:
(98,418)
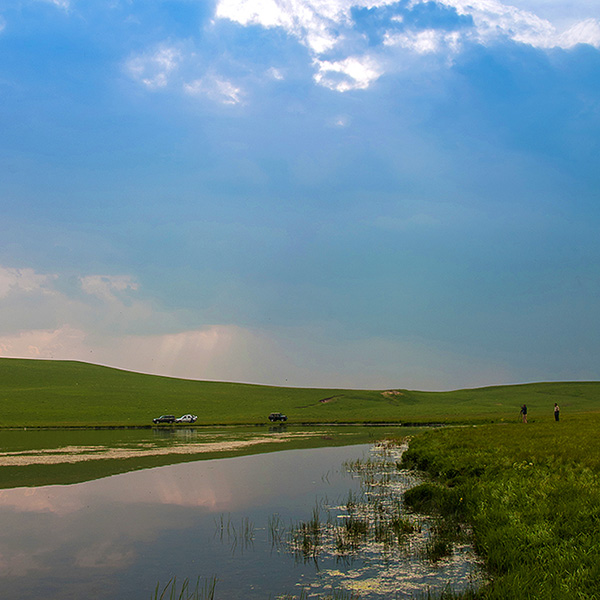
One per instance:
(53,393)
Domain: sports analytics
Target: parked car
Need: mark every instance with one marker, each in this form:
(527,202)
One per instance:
(277,417)
(165,419)
(186,419)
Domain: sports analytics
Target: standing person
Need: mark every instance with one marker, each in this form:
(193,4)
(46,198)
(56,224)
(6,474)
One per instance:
(556,411)
(524,413)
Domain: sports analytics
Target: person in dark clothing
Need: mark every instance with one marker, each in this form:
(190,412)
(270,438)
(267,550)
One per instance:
(556,412)
(524,413)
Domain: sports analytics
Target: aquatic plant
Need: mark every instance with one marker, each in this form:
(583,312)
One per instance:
(306,536)
(239,536)
(333,594)
(373,515)
(170,590)
(276,530)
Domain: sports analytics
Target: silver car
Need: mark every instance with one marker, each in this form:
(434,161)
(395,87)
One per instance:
(186,419)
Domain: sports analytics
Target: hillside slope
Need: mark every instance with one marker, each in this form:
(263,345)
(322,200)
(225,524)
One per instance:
(36,393)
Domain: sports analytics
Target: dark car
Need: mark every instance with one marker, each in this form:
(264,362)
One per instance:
(277,417)
(165,419)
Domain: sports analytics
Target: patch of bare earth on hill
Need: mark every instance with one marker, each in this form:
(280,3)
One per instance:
(75,454)
(329,399)
(391,393)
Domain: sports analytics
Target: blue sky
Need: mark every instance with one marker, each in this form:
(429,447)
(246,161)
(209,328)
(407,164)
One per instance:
(356,193)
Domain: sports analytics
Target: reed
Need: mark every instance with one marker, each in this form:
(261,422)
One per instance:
(276,530)
(239,536)
(171,590)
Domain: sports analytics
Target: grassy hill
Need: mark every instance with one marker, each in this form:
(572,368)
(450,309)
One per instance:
(63,393)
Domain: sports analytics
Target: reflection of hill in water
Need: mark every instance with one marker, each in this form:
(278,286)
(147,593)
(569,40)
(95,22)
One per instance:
(44,457)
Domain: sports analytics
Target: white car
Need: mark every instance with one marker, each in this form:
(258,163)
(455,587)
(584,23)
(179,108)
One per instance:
(186,419)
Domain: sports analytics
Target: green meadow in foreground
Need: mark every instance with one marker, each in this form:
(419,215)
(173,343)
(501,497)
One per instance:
(531,494)
(46,393)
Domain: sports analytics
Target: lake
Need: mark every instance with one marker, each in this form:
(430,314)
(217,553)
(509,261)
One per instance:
(237,521)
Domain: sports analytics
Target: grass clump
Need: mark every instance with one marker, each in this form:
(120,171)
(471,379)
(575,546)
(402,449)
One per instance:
(447,507)
(531,494)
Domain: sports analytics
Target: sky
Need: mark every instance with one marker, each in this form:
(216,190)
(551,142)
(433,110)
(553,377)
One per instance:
(317,193)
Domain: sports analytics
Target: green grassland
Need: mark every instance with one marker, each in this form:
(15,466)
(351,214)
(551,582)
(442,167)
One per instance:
(531,494)
(42,393)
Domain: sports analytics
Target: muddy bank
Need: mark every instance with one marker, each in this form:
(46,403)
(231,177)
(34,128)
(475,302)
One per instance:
(76,454)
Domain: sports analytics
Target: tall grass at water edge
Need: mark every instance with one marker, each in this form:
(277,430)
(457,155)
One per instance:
(531,493)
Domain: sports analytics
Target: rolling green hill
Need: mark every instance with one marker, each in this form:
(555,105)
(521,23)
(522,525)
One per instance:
(38,393)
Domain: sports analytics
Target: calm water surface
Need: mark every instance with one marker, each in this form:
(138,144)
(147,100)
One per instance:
(117,537)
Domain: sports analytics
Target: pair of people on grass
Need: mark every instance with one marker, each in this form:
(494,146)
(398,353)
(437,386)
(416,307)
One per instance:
(524,412)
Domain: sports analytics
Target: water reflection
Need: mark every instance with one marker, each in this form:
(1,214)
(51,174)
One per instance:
(186,433)
(117,537)
(45,457)
(281,428)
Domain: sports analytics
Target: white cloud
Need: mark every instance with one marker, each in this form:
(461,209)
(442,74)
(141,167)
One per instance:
(584,32)
(561,13)
(315,23)
(493,18)
(155,68)
(428,41)
(2,23)
(186,354)
(275,74)
(342,56)
(63,343)
(94,303)
(215,88)
(327,26)
(105,286)
(167,65)
(23,280)
(341,121)
(64,4)
(352,73)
